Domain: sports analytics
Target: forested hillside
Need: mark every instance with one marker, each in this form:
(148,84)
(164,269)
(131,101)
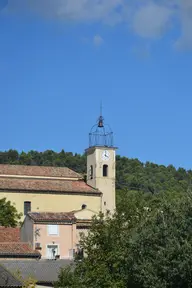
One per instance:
(131,173)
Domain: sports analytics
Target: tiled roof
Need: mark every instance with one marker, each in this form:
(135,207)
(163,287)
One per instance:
(7,279)
(44,271)
(9,234)
(46,185)
(51,216)
(17,249)
(22,170)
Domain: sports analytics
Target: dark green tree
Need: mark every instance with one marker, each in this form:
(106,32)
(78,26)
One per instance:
(147,243)
(9,217)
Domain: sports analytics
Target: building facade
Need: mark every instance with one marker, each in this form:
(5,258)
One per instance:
(55,235)
(52,234)
(46,189)
(59,189)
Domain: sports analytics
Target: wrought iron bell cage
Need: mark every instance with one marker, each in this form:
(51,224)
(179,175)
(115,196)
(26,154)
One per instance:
(100,134)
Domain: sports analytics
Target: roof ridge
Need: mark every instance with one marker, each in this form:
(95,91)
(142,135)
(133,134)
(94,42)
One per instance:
(22,165)
(31,212)
(8,227)
(12,242)
(38,170)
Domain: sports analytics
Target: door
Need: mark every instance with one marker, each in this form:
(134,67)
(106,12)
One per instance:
(52,251)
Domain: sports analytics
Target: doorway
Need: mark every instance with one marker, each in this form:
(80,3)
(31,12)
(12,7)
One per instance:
(52,251)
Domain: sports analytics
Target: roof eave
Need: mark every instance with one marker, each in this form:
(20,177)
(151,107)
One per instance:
(98,193)
(34,255)
(53,221)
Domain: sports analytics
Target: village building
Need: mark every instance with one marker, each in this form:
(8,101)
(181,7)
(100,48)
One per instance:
(59,189)
(53,234)
(46,189)
(57,205)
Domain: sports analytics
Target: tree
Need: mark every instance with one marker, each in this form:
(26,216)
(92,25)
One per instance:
(9,217)
(147,243)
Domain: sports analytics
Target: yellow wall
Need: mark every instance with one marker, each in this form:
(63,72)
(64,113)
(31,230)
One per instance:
(52,202)
(104,184)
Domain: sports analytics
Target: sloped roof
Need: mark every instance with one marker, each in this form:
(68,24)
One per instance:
(51,216)
(44,271)
(24,170)
(17,249)
(84,215)
(9,234)
(7,279)
(61,186)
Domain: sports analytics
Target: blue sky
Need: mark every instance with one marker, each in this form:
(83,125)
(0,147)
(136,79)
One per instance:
(60,58)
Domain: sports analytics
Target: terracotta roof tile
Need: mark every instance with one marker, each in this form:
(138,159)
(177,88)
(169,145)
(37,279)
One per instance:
(51,216)
(16,249)
(9,234)
(22,170)
(46,185)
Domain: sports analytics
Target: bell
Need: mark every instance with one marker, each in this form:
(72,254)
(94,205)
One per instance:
(100,124)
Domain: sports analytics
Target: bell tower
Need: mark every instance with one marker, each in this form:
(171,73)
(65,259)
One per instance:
(101,161)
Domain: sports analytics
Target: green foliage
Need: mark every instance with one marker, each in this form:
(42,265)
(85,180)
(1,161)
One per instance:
(147,243)
(9,217)
(67,278)
(28,282)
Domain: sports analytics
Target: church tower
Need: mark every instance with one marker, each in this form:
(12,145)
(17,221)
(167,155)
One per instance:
(101,161)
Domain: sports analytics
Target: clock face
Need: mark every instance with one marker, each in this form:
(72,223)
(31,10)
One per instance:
(105,155)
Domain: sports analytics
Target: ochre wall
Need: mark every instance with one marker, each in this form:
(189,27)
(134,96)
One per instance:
(52,202)
(104,184)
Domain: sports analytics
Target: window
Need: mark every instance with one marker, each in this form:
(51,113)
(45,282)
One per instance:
(105,170)
(84,206)
(27,207)
(91,172)
(53,229)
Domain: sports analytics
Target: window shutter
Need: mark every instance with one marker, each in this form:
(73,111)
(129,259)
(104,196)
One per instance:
(53,229)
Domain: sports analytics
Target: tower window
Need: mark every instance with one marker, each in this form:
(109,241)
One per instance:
(105,170)
(91,172)
(27,207)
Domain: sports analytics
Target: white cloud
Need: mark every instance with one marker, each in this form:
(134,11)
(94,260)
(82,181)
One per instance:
(151,20)
(147,18)
(73,10)
(185,20)
(97,40)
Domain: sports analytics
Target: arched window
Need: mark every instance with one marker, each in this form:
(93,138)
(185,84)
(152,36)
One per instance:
(105,170)
(91,172)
